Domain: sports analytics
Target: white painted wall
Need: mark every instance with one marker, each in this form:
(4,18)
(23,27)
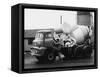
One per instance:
(44,19)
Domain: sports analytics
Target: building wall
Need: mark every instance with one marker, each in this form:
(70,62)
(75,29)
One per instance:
(45,19)
(26,45)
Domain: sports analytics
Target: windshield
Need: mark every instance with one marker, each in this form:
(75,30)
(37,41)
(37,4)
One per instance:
(49,35)
(39,36)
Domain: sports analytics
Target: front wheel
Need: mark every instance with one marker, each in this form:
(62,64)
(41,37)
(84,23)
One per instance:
(48,57)
(51,57)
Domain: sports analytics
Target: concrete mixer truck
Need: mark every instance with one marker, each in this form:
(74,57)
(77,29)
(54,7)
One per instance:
(49,43)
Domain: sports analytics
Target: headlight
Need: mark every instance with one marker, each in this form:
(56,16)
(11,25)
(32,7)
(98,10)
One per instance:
(35,43)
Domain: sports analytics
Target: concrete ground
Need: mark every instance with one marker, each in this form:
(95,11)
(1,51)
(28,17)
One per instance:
(30,62)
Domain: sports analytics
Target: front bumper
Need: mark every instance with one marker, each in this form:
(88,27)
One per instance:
(37,51)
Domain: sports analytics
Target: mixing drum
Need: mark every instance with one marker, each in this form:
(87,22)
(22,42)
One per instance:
(80,33)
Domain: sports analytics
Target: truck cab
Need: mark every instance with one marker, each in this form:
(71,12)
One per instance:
(42,45)
(43,37)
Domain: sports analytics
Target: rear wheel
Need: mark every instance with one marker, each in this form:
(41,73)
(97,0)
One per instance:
(87,51)
(78,52)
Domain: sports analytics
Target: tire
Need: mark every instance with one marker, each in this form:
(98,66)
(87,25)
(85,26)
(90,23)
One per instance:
(78,52)
(49,56)
(87,51)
